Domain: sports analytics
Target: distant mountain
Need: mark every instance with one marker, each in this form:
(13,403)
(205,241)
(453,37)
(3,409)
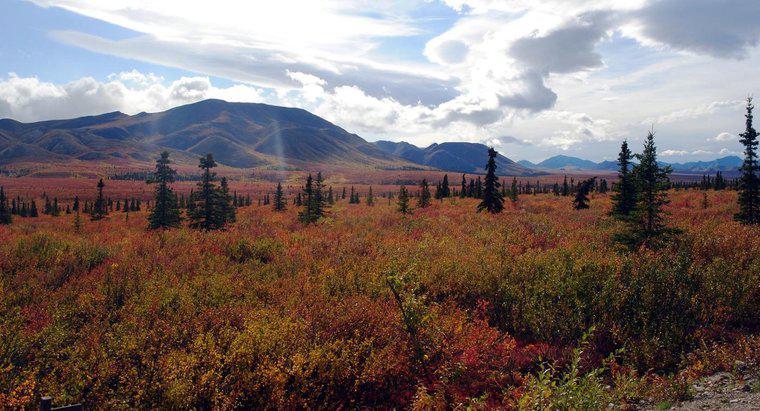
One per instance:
(461,157)
(237,134)
(729,163)
(567,163)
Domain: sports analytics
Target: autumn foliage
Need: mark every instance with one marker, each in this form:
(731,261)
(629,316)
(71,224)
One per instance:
(367,307)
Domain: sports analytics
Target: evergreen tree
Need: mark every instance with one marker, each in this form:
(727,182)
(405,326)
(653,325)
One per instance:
(403,201)
(308,215)
(226,209)
(99,210)
(76,203)
(492,202)
(5,210)
(513,190)
(210,209)
(463,189)
(343,194)
(445,189)
(55,209)
(565,188)
(624,199)
(33,210)
(603,187)
(370,198)
(478,188)
(749,183)
(330,197)
(647,224)
(166,212)
(581,195)
(279,199)
(424,199)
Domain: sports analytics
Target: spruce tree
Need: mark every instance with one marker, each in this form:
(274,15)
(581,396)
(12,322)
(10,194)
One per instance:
(445,189)
(565,188)
(463,189)
(749,183)
(225,209)
(99,210)
(581,201)
(492,202)
(370,198)
(424,199)
(307,215)
(279,199)
(5,211)
(33,210)
(624,199)
(513,190)
(647,225)
(165,214)
(403,201)
(207,212)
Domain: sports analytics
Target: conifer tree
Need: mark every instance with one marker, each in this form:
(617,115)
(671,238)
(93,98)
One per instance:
(445,189)
(208,211)
(565,188)
(165,214)
(5,211)
(624,199)
(403,201)
(370,198)
(320,202)
(492,202)
(478,188)
(330,197)
(226,213)
(76,203)
(279,199)
(513,190)
(581,201)
(33,210)
(307,215)
(424,199)
(647,225)
(749,183)
(343,194)
(99,210)
(463,189)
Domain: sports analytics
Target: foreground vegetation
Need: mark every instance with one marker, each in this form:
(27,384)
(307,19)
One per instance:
(534,307)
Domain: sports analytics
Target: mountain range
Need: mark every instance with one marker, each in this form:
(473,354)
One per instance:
(237,134)
(568,163)
(245,135)
(461,157)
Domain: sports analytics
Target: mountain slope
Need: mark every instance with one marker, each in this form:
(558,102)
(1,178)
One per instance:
(729,163)
(237,134)
(461,157)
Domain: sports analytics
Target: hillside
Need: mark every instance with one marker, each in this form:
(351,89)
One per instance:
(461,157)
(237,134)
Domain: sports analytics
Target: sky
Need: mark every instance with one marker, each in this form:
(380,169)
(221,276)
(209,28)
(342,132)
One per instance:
(533,78)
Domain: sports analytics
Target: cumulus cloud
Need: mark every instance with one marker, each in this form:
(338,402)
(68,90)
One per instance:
(724,137)
(726,152)
(673,153)
(30,99)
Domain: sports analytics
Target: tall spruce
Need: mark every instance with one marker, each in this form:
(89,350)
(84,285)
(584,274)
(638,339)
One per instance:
(651,187)
(513,190)
(99,210)
(403,200)
(165,213)
(424,198)
(370,197)
(749,183)
(205,209)
(445,189)
(5,210)
(493,202)
(624,199)
(463,189)
(581,201)
(226,212)
(279,199)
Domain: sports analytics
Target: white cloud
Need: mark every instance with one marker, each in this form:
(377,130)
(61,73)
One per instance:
(672,153)
(727,152)
(696,112)
(724,137)
(701,152)
(29,99)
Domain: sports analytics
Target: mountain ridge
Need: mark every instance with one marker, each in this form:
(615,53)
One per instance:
(569,163)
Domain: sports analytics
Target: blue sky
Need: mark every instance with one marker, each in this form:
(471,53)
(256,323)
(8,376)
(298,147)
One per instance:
(534,78)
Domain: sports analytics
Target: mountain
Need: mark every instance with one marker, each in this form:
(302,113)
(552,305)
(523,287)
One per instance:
(729,164)
(566,162)
(237,134)
(461,157)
